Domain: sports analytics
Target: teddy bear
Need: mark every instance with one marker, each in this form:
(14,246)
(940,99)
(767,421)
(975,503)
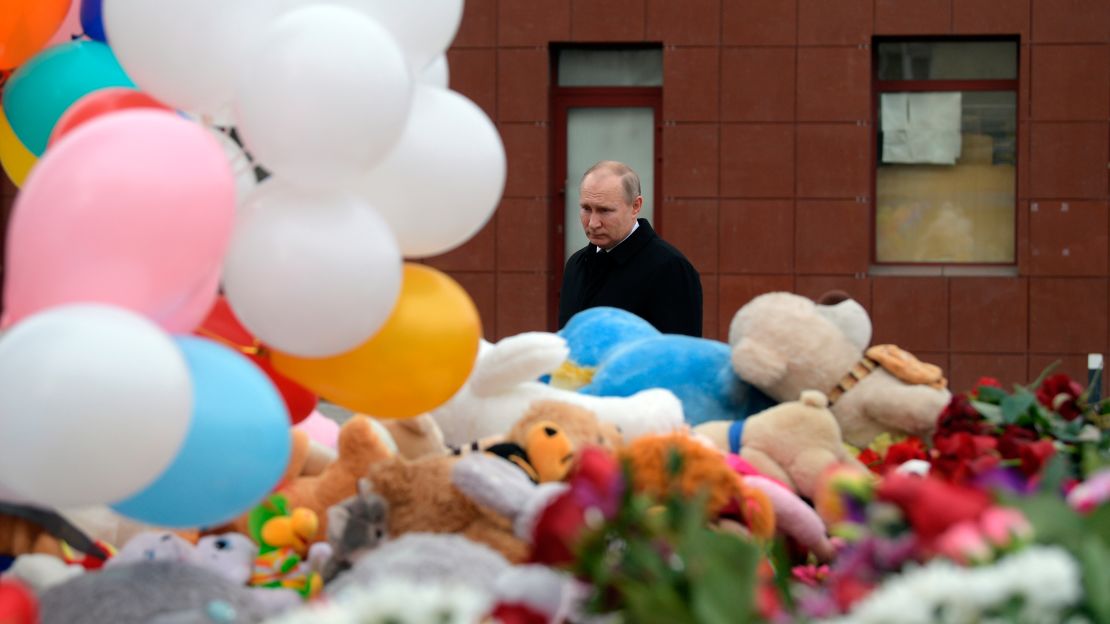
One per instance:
(506,381)
(422,499)
(785,343)
(545,441)
(614,353)
(793,442)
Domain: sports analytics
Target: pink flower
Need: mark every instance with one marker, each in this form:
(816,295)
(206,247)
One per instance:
(964,543)
(1002,526)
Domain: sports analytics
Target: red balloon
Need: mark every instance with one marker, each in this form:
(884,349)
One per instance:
(17,604)
(222,326)
(101,102)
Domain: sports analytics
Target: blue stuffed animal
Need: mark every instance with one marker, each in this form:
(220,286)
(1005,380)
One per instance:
(616,353)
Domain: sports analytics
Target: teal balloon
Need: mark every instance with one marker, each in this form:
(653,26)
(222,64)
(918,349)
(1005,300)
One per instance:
(43,88)
(235,452)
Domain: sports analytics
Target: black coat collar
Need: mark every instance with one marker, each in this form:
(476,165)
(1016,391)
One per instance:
(623,252)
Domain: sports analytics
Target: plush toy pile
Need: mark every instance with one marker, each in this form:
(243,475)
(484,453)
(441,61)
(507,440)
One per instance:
(613,470)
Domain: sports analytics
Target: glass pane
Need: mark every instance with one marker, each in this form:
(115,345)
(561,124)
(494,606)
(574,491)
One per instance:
(961,211)
(593,134)
(585,67)
(948,60)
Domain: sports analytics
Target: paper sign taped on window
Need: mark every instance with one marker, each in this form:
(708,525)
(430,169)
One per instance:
(921,128)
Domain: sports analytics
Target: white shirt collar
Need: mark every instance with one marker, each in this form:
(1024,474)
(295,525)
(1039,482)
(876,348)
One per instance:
(635,224)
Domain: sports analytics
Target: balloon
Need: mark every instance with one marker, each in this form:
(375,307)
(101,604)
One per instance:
(310,273)
(419,359)
(91,19)
(222,326)
(423,29)
(71,26)
(26,27)
(99,103)
(187,53)
(320,428)
(443,181)
(42,89)
(236,450)
(18,604)
(14,156)
(436,74)
(323,96)
(94,404)
(134,209)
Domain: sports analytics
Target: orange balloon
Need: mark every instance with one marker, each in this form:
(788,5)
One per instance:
(418,360)
(26,27)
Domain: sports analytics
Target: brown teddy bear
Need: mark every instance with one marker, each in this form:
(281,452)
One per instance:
(793,443)
(784,343)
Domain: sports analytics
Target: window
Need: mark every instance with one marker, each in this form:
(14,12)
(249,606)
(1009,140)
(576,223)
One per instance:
(945,181)
(606,105)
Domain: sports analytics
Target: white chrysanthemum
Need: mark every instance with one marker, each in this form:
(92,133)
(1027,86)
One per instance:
(1045,579)
(396,602)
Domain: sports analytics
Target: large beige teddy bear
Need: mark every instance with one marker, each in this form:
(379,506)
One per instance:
(793,442)
(785,343)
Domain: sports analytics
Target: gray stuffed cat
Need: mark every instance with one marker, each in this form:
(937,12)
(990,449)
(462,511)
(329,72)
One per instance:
(356,526)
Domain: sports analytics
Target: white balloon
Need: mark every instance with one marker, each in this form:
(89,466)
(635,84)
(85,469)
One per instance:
(437,73)
(95,402)
(424,28)
(311,273)
(323,96)
(187,54)
(443,181)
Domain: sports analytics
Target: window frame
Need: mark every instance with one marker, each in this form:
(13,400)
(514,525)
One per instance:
(562,100)
(879,87)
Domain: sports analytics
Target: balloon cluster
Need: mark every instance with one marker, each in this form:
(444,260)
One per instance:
(166,316)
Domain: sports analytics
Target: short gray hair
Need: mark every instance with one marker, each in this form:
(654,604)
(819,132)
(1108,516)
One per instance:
(630,180)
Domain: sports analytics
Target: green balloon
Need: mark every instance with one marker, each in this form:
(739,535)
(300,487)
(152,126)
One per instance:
(43,88)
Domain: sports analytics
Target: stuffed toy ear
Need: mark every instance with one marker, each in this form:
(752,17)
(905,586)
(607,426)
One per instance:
(517,359)
(758,364)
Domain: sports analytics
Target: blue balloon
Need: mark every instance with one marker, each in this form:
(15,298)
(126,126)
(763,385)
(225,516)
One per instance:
(92,20)
(236,450)
(43,88)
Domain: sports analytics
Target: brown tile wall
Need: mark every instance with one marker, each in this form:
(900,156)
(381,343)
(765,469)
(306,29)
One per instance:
(766,165)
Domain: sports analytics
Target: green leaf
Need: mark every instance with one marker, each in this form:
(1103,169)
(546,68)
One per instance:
(1094,560)
(653,604)
(1053,475)
(1015,405)
(1098,524)
(722,573)
(989,411)
(990,394)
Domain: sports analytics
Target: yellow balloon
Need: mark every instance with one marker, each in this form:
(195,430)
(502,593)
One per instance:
(16,159)
(418,360)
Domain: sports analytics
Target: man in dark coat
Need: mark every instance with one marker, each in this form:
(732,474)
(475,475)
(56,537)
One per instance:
(626,265)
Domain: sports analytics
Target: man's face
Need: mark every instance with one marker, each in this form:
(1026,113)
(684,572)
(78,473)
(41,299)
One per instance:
(606,216)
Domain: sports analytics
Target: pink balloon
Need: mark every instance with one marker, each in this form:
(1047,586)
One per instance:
(71,26)
(134,209)
(320,428)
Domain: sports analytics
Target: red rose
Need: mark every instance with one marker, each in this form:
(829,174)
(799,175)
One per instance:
(871,459)
(989,382)
(904,451)
(1033,456)
(597,481)
(557,531)
(517,613)
(931,505)
(1059,393)
(1013,439)
(959,415)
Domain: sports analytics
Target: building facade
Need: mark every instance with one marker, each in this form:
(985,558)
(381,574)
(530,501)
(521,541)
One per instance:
(813,145)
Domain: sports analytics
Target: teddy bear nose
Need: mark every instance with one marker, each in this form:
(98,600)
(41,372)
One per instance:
(550,431)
